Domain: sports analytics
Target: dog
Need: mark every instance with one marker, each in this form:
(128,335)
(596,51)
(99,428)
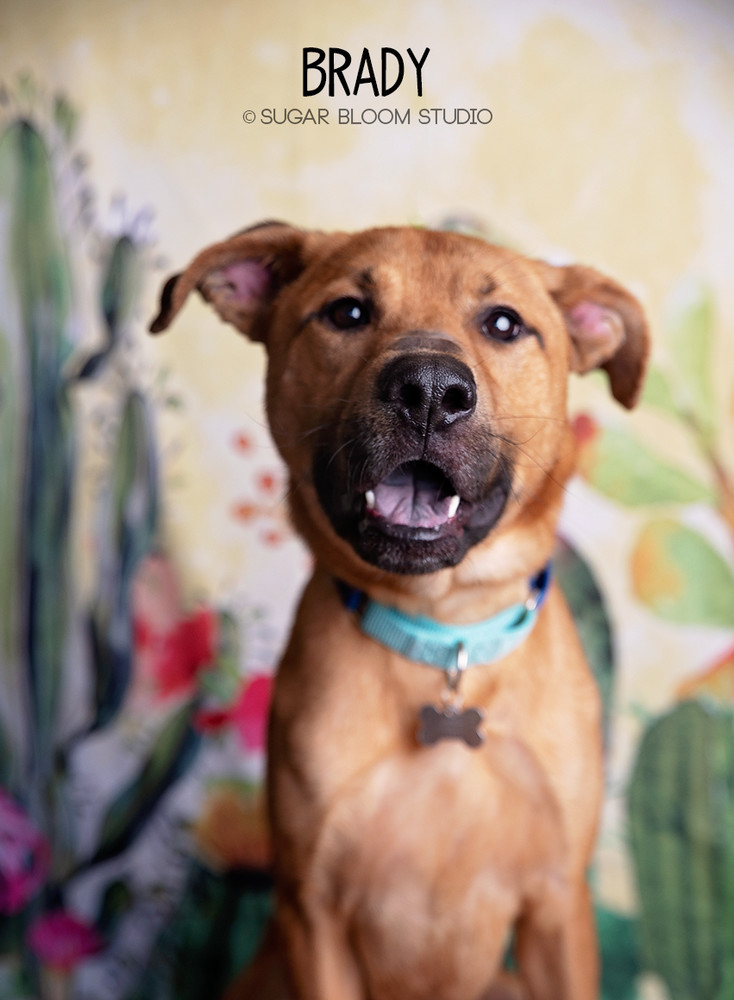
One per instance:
(434,759)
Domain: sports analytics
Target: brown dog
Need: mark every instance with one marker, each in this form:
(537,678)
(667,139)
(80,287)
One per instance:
(416,390)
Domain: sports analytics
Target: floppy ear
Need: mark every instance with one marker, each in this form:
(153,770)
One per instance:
(606,326)
(240,277)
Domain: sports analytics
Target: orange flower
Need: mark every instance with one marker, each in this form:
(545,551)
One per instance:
(268,482)
(232,831)
(717,682)
(272,537)
(586,432)
(242,442)
(245,511)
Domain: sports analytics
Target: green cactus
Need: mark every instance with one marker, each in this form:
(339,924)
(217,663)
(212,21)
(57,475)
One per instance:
(129,533)
(39,378)
(37,446)
(681,820)
(587,605)
(37,327)
(121,283)
(215,932)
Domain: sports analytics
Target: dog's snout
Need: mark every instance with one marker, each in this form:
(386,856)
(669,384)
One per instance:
(430,391)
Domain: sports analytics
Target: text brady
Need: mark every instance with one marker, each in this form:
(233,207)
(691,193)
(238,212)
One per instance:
(391,64)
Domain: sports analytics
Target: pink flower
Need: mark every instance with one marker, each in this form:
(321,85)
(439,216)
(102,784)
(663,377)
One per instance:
(62,940)
(585,428)
(211,720)
(181,653)
(24,856)
(248,714)
(170,648)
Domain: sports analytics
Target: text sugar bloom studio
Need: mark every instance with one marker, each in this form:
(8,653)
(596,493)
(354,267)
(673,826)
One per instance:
(369,116)
(335,70)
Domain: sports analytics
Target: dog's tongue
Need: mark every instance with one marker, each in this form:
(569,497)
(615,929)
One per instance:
(415,495)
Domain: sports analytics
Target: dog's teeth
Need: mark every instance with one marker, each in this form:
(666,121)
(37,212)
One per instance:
(454,506)
(369,498)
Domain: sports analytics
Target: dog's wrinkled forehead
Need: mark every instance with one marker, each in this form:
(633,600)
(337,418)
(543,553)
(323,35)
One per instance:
(438,263)
(421,279)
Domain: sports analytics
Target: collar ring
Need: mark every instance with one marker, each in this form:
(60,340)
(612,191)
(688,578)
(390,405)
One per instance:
(455,673)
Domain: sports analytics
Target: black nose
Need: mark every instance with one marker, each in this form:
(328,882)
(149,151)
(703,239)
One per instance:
(429,390)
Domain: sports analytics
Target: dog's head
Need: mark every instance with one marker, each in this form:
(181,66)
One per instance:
(417,380)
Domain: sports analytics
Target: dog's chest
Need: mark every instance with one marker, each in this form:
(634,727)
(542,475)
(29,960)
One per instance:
(435,852)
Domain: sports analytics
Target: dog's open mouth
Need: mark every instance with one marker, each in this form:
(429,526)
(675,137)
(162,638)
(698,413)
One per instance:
(416,497)
(418,516)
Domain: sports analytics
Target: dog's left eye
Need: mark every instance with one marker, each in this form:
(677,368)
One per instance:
(347,313)
(502,324)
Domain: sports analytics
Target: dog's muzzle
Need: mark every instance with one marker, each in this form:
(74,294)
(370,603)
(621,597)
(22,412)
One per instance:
(411,479)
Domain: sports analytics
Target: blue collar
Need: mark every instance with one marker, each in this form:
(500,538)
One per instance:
(419,638)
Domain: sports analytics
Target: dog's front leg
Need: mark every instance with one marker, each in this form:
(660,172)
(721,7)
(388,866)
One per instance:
(559,960)
(320,961)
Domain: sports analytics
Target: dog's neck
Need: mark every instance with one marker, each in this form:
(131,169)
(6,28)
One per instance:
(460,595)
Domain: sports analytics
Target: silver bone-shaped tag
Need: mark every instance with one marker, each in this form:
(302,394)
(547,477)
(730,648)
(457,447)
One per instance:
(451,721)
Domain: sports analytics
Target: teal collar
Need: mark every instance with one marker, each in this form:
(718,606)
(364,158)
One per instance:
(445,646)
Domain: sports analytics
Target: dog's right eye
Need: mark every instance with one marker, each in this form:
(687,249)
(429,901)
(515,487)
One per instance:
(502,324)
(347,313)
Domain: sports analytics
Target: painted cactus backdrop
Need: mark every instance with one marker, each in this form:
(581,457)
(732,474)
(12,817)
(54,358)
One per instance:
(147,568)
(681,790)
(149,679)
